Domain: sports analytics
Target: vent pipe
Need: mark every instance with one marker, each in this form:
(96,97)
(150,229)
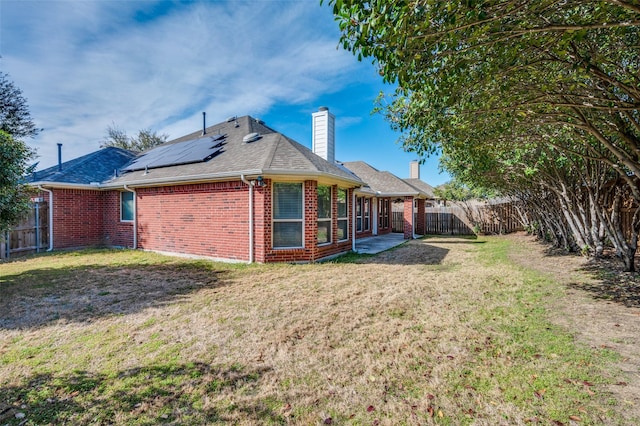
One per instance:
(323,139)
(204,123)
(59,157)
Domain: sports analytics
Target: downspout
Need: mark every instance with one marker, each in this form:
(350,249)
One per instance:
(50,215)
(135,216)
(353,222)
(244,180)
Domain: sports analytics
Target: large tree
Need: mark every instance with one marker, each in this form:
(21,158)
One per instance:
(488,81)
(146,139)
(15,124)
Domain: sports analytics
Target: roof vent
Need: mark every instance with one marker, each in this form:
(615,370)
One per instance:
(230,119)
(251,137)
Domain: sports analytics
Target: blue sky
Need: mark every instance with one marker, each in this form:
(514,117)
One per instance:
(85,65)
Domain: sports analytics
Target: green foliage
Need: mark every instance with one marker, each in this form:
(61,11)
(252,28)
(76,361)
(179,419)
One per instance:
(15,123)
(146,139)
(455,190)
(14,196)
(503,74)
(15,118)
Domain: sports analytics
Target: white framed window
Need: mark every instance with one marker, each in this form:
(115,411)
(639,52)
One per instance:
(343,215)
(363,214)
(366,216)
(126,206)
(288,226)
(324,214)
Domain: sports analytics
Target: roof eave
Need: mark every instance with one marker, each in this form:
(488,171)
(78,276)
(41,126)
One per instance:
(64,185)
(209,177)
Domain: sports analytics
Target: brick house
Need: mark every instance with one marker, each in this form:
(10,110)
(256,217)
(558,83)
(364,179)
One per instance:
(234,191)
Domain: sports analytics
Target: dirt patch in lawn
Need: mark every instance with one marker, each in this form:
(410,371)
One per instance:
(601,305)
(87,293)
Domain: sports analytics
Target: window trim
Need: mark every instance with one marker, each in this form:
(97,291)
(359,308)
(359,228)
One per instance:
(122,204)
(274,220)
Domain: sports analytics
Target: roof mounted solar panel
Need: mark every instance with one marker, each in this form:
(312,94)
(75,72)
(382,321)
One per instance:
(194,151)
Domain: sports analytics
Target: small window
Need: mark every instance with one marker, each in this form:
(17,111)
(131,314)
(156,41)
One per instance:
(287,215)
(126,206)
(324,214)
(343,215)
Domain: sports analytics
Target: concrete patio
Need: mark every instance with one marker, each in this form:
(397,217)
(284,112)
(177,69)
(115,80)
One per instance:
(379,243)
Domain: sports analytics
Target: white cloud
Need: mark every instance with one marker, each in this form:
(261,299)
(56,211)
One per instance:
(84,65)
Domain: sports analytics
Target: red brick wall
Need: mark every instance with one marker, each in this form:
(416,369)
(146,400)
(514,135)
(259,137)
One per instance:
(78,218)
(205,219)
(408,218)
(116,233)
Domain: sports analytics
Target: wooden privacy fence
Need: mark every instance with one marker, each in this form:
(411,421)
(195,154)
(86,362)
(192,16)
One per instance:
(29,236)
(499,218)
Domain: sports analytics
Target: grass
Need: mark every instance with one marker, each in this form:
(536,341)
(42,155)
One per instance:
(437,331)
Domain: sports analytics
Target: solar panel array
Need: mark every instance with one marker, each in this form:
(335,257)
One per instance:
(194,151)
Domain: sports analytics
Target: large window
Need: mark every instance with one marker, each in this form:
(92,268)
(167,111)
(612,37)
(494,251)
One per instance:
(126,206)
(287,215)
(367,214)
(363,214)
(343,215)
(324,214)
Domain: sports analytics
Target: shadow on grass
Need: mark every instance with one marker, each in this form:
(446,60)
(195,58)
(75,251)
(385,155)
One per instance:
(38,297)
(611,284)
(455,239)
(192,393)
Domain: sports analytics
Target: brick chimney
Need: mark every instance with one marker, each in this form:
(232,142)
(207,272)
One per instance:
(323,137)
(414,169)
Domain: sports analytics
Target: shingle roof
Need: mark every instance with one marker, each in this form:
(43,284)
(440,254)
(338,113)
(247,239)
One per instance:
(97,166)
(273,154)
(381,183)
(422,186)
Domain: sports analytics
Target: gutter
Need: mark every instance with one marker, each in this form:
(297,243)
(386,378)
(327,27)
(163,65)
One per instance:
(272,174)
(50,216)
(135,216)
(250,184)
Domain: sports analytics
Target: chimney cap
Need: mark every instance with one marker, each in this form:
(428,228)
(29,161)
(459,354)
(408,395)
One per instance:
(323,108)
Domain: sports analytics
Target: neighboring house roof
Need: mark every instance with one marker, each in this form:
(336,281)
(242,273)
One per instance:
(383,184)
(89,169)
(422,186)
(273,154)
